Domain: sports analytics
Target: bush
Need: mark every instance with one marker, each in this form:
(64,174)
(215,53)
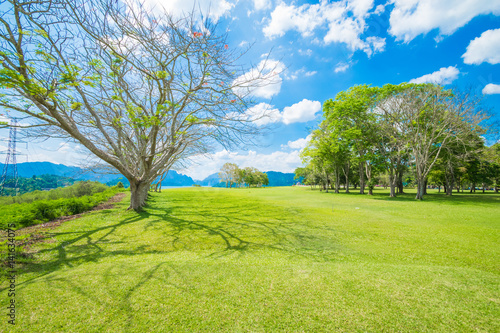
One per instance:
(120,185)
(26,214)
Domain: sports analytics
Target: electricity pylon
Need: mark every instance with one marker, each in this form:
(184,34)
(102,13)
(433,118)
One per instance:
(10,173)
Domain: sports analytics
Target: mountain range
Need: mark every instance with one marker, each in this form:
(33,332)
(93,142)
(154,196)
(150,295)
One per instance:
(173,178)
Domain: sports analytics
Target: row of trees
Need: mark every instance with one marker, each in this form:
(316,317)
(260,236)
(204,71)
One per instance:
(233,176)
(395,129)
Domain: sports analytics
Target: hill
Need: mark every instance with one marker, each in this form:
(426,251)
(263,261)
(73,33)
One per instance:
(174,178)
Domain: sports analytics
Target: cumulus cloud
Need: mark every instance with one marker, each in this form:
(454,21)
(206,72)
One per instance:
(300,112)
(485,48)
(410,18)
(264,113)
(299,143)
(491,89)
(262,81)
(261,4)
(445,75)
(204,166)
(344,20)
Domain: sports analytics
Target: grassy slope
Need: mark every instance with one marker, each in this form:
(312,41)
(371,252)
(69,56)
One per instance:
(285,259)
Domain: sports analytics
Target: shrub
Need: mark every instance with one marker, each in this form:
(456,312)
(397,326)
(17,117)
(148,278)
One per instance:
(26,214)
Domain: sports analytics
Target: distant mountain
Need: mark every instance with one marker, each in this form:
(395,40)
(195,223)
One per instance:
(277,178)
(211,180)
(177,179)
(28,169)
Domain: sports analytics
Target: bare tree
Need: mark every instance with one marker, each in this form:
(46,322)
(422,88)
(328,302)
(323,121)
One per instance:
(229,174)
(140,89)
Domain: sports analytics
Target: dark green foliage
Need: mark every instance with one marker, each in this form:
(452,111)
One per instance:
(39,211)
(77,190)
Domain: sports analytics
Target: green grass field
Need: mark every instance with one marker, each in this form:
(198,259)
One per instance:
(265,260)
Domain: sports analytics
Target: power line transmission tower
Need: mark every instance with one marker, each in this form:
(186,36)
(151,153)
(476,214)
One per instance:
(9,173)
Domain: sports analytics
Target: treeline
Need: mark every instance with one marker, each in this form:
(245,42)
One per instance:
(421,132)
(233,176)
(35,183)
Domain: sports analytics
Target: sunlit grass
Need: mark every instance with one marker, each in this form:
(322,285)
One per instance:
(274,259)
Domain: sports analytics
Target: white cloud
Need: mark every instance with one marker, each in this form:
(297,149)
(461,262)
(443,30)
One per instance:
(485,48)
(261,4)
(345,21)
(307,52)
(299,143)
(264,113)
(69,154)
(288,17)
(204,166)
(410,18)
(491,89)
(341,67)
(262,81)
(445,75)
(379,9)
(243,43)
(301,112)
(298,73)
(213,9)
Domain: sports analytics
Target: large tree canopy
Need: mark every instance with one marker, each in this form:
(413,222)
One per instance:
(140,89)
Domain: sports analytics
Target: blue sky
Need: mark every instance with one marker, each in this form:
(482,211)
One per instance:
(328,46)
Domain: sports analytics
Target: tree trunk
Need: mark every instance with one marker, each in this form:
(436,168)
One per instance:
(138,194)
(368,169)
(392,183)
(325,186)
(337,181)
(400,182)
(361,178)
(449,185)
(420,189)
(347,183)
(425,186)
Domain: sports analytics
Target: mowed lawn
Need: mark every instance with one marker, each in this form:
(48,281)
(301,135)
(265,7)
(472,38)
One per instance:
(266,260)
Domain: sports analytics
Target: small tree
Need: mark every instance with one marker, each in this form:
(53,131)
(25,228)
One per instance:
(229,174)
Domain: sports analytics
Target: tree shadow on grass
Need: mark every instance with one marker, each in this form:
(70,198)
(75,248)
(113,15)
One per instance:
(213,233)
(208,231)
